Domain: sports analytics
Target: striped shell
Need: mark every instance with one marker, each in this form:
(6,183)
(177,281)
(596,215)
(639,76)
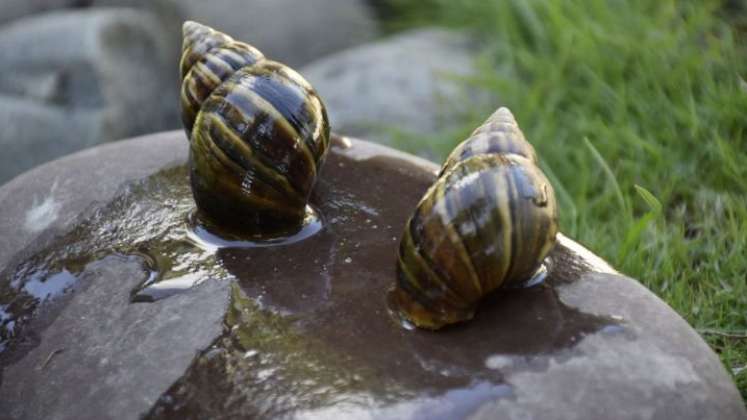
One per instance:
(258,133)
(499,134)
(488,221)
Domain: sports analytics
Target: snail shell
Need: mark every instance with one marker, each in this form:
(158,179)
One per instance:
(488,221)
(499,134)
(258,133)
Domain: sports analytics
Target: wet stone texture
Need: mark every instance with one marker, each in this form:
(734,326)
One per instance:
(126,312)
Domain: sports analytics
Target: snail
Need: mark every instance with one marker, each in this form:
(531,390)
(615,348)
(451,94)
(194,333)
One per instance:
(487,222)
(258,134)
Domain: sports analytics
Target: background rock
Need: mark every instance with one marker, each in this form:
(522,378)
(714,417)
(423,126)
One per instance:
(14,9)
(72,79)
(408,82)
(293,32)
(290,31)
(26,133)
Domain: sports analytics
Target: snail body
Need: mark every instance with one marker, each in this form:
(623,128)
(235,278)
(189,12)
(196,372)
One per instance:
(258,134)
(488,221)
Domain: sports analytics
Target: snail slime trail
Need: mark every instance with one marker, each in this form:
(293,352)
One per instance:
(308,321)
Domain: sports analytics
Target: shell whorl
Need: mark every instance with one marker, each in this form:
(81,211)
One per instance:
(208,58)
(498,134)
(258,133)
(487,222)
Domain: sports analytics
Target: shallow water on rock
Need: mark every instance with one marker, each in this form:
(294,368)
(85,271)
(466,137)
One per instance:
(308,332)
(146,222)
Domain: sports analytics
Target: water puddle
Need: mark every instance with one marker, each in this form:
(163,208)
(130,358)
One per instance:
(210,239)
(42,286)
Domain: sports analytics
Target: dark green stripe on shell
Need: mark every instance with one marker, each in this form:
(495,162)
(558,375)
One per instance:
(488,222)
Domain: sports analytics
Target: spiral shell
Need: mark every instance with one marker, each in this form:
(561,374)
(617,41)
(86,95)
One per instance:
(500,134)
(258,133)
(488,221)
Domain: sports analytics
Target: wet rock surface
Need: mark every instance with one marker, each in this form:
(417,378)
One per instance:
(94,357)
(303,330)
(49,201)
(409,82)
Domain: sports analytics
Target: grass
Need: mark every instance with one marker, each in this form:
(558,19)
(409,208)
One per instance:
(638,110)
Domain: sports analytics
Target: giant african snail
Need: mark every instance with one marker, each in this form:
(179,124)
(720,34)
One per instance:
(488,221)
(258,133)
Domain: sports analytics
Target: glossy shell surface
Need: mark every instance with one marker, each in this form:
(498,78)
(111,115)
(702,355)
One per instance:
(499,134)
(488,222)
(258,133)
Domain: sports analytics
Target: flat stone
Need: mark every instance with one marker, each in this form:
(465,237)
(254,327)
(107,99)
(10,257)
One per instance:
(73,79)
(408,83)
(305,333)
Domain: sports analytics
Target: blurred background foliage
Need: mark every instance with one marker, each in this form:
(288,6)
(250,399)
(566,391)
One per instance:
(638,110)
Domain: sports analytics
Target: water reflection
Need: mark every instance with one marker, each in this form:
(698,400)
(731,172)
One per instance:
(454,404)
(43,286)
